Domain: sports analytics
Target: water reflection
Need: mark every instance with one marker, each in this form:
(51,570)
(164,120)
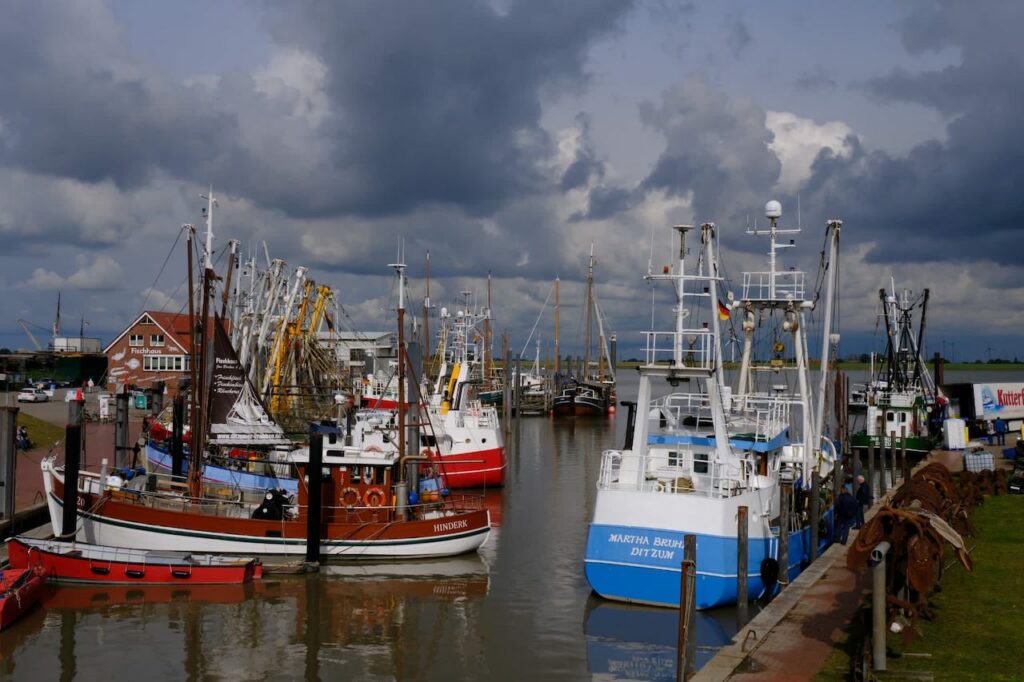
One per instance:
(639,643)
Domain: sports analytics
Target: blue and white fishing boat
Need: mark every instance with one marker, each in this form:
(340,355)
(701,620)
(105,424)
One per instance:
(693,457)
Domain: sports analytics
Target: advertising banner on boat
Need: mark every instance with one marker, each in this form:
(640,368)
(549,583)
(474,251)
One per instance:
(228,380)
(1005,400)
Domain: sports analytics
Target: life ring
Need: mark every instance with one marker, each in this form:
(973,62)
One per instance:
(349,496)
(427,452)
(372,448)
(374,497)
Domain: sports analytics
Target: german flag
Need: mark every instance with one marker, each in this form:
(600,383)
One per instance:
(723,311)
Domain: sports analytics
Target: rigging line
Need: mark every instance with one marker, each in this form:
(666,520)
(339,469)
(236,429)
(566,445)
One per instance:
(158,274)
(537,321)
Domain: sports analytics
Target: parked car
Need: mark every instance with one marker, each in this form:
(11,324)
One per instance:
(32,395)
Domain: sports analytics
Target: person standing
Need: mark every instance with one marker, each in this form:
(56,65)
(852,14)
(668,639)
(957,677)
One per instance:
(846,514)
(1000,431)
(990,431)
(863,499)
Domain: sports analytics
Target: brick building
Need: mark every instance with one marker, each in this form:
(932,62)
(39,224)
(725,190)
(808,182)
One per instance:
(153,348)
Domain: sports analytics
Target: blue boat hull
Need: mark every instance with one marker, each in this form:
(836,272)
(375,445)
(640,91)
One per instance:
(643,565)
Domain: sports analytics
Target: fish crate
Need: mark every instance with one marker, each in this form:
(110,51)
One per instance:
(978,460)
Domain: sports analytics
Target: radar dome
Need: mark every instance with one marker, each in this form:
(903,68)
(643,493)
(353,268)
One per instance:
(773,209)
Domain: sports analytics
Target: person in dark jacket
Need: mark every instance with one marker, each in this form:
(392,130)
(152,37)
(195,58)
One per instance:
(863,498)
(846,514)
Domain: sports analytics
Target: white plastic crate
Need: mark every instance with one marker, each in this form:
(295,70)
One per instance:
(978,460)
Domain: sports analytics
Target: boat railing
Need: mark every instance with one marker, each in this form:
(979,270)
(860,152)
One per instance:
(698,348)
(641,472)
(769,414)
(789,285)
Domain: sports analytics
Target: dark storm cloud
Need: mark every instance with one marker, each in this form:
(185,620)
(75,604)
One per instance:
(68,108)
(440,102)
(716,148)
(958,198)
(430,103)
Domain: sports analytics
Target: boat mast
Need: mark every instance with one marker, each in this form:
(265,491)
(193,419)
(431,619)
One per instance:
(205,356)
(193,363)
(399,268)
(832,227)
(558,309)
(233,248)
(486,354)
(590,311)
(707,235)
(426,317)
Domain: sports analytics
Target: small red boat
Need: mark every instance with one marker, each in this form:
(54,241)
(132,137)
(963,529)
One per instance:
(19,591)
(73,562)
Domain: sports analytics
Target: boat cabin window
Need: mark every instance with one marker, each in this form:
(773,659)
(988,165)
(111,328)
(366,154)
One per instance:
(890,416)
(700,462)
(428,441)
(673,458)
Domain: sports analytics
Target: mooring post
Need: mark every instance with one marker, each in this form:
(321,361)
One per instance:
(177,436)
(785,493)
(815,510)
(742,560)
(878,629)
(8,456)
(883,466)
(903,453)
(157,406)
(121,429)
(314,473)
(837,487)
(871,469)
(687,588)
(72,456)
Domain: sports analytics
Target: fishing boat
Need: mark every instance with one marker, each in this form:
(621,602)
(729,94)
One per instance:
(20,589)
(464,435)
(693,457)
(900,396)
(364,511)
(589,392)
(73,562)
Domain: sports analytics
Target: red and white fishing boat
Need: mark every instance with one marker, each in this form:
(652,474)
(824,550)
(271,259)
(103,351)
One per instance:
(467,441)
(73,562)
(360,517)
(20,589)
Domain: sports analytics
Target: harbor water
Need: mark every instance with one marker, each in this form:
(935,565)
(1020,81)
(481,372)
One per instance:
(520,609)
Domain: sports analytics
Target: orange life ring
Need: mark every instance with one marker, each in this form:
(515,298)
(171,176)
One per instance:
(374,497)
(349,496)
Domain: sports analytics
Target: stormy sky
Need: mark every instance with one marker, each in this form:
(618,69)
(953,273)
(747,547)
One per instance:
(506,137)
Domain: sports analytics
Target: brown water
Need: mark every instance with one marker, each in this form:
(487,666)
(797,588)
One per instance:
(521,609)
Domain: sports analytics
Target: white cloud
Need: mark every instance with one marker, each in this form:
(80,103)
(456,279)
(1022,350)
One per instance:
(103,274)
(296,76)
(797,143)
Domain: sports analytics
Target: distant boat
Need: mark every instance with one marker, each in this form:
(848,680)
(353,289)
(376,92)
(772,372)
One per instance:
(590,393)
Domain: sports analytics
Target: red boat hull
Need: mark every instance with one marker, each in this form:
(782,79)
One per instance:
(77,569)
(22,588)
(479,469)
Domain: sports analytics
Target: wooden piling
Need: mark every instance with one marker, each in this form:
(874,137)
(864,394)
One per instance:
(8,456)
(742,561)
(904,465)
(687,585)
(314,473)
(871,469)
(785,492)
(815,511)
(72,457)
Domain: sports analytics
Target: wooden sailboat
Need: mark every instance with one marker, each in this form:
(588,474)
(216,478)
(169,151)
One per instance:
(590,393)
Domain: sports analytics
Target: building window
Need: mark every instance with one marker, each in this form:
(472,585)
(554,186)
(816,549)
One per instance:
(135,340)
(156,339)
(146,319)
(165,363)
